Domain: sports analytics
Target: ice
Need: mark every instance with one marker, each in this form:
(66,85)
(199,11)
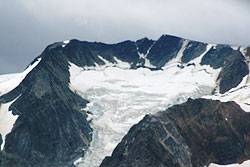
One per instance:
(120,97)
(115,111)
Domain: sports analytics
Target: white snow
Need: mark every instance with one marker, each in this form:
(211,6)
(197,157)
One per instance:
(122,64)
(144,56)
(243,50)
(65,43)
(78,161)
(10,81)
(120,97)
(244,164)
(7,120)
(235,47)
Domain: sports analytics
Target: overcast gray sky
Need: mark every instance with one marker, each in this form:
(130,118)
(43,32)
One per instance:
(28,26)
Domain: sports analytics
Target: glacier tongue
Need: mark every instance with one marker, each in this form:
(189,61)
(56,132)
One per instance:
(114,112)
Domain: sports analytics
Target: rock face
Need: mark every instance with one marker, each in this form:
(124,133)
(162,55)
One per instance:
(164,49)
(248,52)
(52,129)
(195,133)
(193,49)
(232,63)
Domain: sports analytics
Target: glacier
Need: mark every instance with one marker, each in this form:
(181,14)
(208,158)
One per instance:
(120,97)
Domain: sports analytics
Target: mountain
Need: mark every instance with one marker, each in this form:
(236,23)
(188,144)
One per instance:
(78,98)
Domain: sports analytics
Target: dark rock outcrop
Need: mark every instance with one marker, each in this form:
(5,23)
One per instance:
(195,133)
(232,63)
(193,49)
(248,52)
(232,74)
(164,49)
(144,45)
(50,130)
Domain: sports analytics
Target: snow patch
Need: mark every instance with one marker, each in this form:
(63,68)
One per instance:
(244,164)
(7,120)
(65,43)
(78,161)
(235,47)
(144,56)
(243,50)
(122,64)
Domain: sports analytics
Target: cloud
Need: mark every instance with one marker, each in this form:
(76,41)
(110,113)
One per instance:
(28,25)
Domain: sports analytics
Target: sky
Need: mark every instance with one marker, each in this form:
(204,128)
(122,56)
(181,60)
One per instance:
(28,26)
